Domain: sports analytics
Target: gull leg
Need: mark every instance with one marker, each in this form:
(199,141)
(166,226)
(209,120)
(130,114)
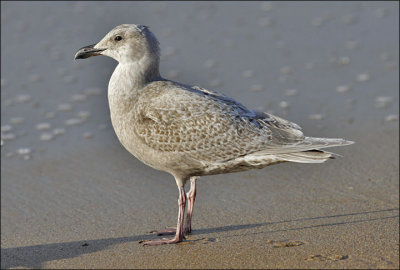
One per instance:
(191,196)
(179,231)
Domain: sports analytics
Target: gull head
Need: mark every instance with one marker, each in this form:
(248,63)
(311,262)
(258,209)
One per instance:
(125,43)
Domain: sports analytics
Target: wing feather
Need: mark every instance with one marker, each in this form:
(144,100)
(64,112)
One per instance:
(206,125)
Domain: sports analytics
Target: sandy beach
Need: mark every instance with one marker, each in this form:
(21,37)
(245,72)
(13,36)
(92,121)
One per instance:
(73,197)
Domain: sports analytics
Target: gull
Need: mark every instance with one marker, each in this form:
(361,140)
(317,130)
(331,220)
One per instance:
(188,131)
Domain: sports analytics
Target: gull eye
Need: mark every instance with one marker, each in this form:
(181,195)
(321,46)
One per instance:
(118,38)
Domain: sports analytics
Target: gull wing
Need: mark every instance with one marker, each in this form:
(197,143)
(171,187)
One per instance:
(209,126)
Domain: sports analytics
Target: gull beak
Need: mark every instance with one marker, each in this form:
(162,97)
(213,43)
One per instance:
(88,51)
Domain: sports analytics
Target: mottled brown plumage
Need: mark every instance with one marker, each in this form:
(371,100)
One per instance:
(189,131)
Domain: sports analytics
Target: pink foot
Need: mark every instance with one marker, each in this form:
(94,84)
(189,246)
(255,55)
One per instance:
(161,242)
(179,231)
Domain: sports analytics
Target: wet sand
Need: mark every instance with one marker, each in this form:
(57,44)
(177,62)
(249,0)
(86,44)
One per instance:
(79,200)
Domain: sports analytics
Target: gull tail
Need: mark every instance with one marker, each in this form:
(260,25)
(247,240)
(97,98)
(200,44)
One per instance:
(312,156)
(319,143)
(315,155)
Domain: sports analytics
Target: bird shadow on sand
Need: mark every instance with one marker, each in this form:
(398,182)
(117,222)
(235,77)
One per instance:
(35,256)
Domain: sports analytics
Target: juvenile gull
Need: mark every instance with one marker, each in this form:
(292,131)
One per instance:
(189,131)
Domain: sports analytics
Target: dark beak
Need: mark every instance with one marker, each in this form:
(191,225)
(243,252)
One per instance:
(87,52)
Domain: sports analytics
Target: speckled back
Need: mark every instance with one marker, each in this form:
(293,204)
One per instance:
(202,124)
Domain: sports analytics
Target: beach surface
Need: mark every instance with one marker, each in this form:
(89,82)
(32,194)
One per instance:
(73,197)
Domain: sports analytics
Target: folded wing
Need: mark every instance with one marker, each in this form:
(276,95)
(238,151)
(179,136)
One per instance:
(208,126)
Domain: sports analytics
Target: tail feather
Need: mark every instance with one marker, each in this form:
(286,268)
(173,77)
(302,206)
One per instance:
(325,142)
(309,150)
(307,144)
(312,143)
(305,151)
(312,156)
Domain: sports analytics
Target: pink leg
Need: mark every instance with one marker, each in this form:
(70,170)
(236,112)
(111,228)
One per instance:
(191,196)
(179,232)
